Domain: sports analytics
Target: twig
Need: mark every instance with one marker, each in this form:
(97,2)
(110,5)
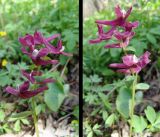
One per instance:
(54,67)
(62,118)
(62,73)
(149,71)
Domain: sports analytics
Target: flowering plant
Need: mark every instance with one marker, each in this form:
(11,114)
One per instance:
(37,47)
(131,64)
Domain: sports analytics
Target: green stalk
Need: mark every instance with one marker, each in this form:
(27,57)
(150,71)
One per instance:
(34,116)
(132,105)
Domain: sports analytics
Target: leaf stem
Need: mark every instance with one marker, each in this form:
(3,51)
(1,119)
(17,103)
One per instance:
(132,104)
(34,116)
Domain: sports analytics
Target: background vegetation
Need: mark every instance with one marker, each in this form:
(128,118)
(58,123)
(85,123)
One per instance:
(101,99)
(18,17)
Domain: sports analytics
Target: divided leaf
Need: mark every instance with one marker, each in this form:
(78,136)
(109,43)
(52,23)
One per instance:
(110,120)
(139,123)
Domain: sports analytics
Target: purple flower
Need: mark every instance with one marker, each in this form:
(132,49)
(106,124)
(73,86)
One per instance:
(122,37)
(38,56)
(30,77)
(59,49)
(120,19)
(102,35)
(129,26)
(132,64)
(23,90)
(30,47)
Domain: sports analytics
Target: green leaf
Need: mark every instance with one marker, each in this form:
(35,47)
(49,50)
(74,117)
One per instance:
(17,126)
(139,96)
(2,115)
(22,114)
(129,80)
(122,101)
(54,96)
(129,48)
(25,121)
(96,129)
(110,120)
(40,108)
(139,124)
(155,31)
(157,121)
(115,52)
(90,134)
(142,86)
(95,79)
(150,114)
(104,115)
(105,100)
(139,46)
(5,80)
(151,39)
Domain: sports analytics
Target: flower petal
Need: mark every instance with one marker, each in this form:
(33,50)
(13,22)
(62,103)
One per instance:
(45,81)
(53,37)
(22,41)
(38,38)
(29,94)
(116,45)
(23,49)
(118,65)
(118,11)
(130,25)
(24,86)
(12,90)
(94,41)
(43,52)
(36,73)
(130,60)
(126,71)
(122,35)
(29,39)
(116,22)
(29,76)
(144,59)
(44,62)
(128,12)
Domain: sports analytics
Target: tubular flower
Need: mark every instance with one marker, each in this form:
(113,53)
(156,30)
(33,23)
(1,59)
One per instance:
(36,55)
(122,37)
(121,17)
(132,64)
(120,21)
(23,90)
(59,49)
(31,77)
(102,35)
(30,47)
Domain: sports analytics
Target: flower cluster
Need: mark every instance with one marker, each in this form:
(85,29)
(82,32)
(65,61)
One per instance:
(37,47)
(31,44)
(131,64)
(23,90)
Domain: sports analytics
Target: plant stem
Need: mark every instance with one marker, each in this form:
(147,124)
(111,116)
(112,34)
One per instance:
(132,104)
(34,116)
